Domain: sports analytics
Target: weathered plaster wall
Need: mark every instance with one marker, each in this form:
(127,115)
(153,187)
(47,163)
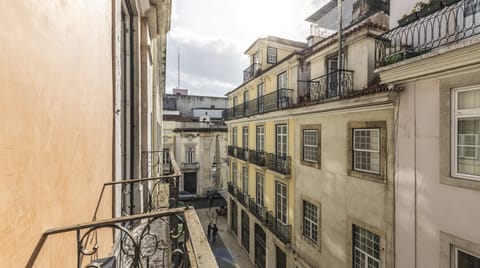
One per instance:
(56,104)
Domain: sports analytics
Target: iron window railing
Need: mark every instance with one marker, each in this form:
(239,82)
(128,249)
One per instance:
(242,154)
(231,188)
(336,84)
(448,25)
(281,230)
(257,158)
(277,100)
(232,151)
(242,198)
(251,71)
(279,163)
(257,210)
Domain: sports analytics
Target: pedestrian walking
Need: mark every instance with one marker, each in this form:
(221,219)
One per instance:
(214,232)
(209,231)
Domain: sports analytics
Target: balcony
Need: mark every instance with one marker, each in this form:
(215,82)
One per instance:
(242,198)
(448,25)
(190,166)
(251,71)
(167,168)
(277,100)
(257,158)
(257,210)
(140,233)
(231,189)
(232,151)
(334,85)
(242,154)
(278,163)
(281,230)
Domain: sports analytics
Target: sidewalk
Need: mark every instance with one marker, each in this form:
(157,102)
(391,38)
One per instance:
(227,251)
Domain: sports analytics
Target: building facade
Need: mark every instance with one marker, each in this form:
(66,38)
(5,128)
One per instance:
(194,131)
(437,179)
(312,154)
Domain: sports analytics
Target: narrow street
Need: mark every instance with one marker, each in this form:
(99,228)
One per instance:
(227,251)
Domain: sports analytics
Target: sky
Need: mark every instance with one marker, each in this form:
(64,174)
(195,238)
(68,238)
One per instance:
(212,35)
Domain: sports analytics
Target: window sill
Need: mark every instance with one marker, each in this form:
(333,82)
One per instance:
(311,164)
(367,176)
(466,183)
(311,243)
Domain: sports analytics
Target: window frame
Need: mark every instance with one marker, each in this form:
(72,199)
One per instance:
(456,115)
(260,189)
(380,255)
(245,137)
(190,154)
(311,222)
(281,208)
(234,174)
(260,138)
(280,136)
(366,150)
(269,55)
(456,249)
(234,136)
(245,179)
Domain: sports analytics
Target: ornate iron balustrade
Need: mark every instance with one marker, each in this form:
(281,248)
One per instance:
(336,84)
(232,151)
(450,24)
(257,210)
(281,230)
(278,163)
(167,168)
(190,166)
(251,71)
(231,189)
(242,153)
(242,198)
(277,100)
(257,158)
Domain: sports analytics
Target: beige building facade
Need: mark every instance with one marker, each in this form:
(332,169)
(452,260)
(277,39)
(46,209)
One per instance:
(436,171)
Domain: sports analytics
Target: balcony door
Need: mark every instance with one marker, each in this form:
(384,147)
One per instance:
(281,140)
(281,203)
(260,247)
(260,94)
(282,90)
(245,103)
(332,79)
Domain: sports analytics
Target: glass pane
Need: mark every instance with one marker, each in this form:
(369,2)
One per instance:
(469,99)
(467,147)
(465,260)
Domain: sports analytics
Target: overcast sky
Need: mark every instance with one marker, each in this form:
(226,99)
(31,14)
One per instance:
(213,34)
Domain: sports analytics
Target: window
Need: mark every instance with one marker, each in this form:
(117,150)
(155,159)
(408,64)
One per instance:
(465,132)
(366,248)
(190,155)
(245,180)
(464,259)
(235,103)
(245,231)
(245,102)
(234,137)
(166,156)
(310,145)
(234,216)
(234,173)
(260,146)
(281,139)
(245,137)
(310,221)
(281,201)
(259,189)
(366,150)
(260,99)
(282,91)
(271,55)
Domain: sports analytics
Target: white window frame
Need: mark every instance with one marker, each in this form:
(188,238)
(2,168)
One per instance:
(315,146)
(475,146)
(271,55)
(280,139)
(234,136)
(310,222)
(234,174)
(281,202)
(260,188)
(458,114)
(245,179)
(455,257)
(245,137)
(367,255)
(366,150)
(190,155)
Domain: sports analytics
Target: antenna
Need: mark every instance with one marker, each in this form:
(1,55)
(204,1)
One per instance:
(178,63)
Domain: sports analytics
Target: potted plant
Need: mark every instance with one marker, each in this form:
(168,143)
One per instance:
(449,2)
(430,7)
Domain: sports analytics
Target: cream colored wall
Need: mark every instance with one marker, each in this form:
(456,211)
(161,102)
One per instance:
(342,199)
(56,109)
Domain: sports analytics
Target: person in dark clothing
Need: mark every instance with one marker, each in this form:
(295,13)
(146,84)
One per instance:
(211,201)
(214,232)
(209,231)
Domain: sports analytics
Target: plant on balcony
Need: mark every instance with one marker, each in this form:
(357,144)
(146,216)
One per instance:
(412,16)
(449,2)
(430,7)
(393,58)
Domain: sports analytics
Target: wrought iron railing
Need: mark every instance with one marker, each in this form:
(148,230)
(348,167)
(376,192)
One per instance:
(231,189)
(242,198)
(277,100)
(336,84)
(281,230)
(448,25)
(257,158)
(190,166)
(167,168)
(257,210)
(139,232)
(279,163)
(242,154)
(232,151)
(252,71)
